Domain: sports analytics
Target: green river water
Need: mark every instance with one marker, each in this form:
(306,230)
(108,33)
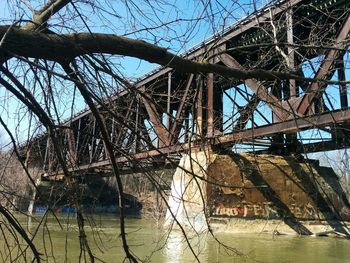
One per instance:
(152,243)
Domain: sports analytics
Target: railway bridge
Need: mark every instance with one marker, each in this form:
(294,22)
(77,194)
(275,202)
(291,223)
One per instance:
(168,113)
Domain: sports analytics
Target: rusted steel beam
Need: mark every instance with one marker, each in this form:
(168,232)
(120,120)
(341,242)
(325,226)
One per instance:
(138,156)
(259,89)
(77,145)
(342,86)
(246,113)
(244,95)
(161,131)
(325,68)
(287,126)
(323,146)
(218,105)
(239,136)
(131,140)
(240,111)
(186,126)
(291,51)
(122,130)
(72,151)
(175,129)
(199,106)
(93,139)
(168,106)
(137,125)
(210,105)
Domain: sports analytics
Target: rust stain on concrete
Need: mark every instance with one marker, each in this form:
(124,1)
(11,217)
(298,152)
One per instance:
(248,186)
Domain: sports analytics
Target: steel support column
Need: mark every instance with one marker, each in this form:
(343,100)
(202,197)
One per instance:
(199,106)
(210,105)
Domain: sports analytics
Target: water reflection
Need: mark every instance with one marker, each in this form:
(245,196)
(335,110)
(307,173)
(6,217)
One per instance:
(178,248)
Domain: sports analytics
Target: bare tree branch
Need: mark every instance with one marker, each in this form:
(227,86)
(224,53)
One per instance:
(64,48)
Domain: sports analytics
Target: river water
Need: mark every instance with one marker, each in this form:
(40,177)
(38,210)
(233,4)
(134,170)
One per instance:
(151,243)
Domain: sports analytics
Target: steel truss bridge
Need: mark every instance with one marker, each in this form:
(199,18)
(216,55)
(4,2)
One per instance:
(168,112)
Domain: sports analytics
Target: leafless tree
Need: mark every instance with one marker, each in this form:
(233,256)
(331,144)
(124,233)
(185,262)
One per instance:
(59,55)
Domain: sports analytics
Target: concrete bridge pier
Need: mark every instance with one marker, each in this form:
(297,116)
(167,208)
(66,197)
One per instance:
(188,197)
(257,193)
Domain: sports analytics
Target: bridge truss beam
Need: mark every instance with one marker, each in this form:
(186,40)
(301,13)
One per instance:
(171,112)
